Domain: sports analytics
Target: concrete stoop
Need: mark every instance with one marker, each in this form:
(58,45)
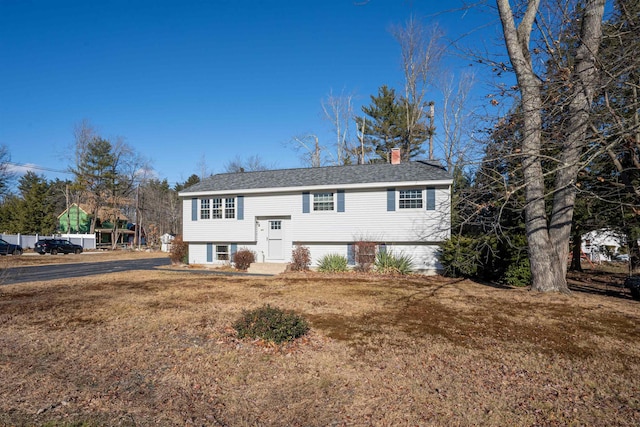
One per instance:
(267,268)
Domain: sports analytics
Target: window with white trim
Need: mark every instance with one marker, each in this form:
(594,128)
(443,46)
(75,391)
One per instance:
(410,199)
(230,208)
(205,209)
(222,252)
(323,202)
(216,208)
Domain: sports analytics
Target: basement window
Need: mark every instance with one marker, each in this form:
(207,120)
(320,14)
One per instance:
(222,252)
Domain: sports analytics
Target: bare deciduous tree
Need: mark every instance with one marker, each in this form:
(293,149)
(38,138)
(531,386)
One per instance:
(309,149)
(457,120)
(548,237)
(5,172)
(422,52)
(338,110)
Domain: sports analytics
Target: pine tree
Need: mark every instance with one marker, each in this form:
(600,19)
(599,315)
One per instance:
(385,126)
(36,214)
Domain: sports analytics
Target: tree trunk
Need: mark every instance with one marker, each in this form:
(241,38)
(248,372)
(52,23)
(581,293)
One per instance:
(583,79)
(634,252)
(549,240)
(576,252)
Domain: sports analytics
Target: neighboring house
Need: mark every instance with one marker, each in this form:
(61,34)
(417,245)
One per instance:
(403,206)
(77,219)
(602,245)
(74,220)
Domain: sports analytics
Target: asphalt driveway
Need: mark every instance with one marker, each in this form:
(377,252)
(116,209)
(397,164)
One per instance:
(60,271)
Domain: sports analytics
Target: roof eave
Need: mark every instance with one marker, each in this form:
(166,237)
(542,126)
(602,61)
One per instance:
(437,182)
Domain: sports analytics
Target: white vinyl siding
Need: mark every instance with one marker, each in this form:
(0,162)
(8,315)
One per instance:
(366,217)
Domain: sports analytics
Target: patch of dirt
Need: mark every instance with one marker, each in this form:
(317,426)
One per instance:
(157,348)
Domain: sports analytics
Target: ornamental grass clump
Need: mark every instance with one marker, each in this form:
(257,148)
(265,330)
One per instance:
(271,324)
(332,263)
(389,263)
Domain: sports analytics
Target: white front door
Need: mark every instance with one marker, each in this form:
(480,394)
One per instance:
(275,241)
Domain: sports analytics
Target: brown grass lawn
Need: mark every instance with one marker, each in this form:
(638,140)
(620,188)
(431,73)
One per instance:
(157,348)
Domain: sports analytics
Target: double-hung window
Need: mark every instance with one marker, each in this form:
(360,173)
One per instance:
(205,209)
(410,199)
(323,202)
(222,252)
(217,208)
(230,208)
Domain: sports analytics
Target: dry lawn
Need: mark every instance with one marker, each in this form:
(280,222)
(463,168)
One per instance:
(32,259)
(157,348)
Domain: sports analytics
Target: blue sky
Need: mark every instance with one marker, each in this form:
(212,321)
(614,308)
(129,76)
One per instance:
(187,81)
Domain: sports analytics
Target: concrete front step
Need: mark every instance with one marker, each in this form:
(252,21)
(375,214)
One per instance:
(267,268)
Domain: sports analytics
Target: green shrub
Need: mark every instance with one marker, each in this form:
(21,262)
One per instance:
(300,258)
(271,324)
(463,256)
(332,263)
(243,258)
(518,274)
(179,252)
(389,263)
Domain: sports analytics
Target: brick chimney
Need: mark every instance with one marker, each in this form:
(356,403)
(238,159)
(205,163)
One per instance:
(395,156)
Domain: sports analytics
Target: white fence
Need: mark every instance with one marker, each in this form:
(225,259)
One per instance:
(87,241)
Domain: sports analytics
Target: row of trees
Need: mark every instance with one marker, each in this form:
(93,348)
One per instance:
(111,181)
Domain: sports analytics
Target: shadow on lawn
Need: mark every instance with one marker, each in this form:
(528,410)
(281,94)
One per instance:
(598,283)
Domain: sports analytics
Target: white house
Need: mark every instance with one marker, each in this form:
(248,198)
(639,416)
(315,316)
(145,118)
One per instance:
(600,245)
(404,206)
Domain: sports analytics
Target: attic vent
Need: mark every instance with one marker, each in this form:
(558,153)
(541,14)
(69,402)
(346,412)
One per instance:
(395,156)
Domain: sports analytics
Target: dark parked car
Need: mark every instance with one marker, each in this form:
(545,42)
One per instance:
(633,283)
(7,248)
(56,246)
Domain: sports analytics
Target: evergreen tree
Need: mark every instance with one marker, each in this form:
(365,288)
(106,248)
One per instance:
(385,126)
(36,214)
(96,174)
(192,180)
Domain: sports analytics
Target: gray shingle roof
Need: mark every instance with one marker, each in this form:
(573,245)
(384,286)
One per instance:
(331,175)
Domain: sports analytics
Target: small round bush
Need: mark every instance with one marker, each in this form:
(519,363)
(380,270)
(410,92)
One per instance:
(243,258)
(271,324)
(332,263)
(518,274)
